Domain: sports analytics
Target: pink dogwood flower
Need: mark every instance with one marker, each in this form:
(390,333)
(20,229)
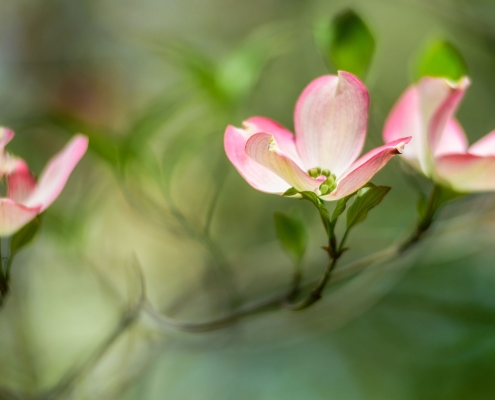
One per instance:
(26,196)
(331,117)
(439,147)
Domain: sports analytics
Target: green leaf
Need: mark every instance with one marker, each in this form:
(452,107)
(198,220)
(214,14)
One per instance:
(441,59)
(292,235)
(24,236)
(340,208)
(291,192)
(366,198)
(347,43)
(325,217)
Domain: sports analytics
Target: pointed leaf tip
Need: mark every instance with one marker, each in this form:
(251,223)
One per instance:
(366,199)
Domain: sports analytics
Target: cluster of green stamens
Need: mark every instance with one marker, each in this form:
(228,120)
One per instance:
(330,183)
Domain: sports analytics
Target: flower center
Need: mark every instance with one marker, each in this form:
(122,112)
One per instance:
(330,182)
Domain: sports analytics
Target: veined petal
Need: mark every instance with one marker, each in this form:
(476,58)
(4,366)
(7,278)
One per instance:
(424,112)
(331,117)
(439,99)
(20,183)
(14,216)
(453,140)
(467,172)
(405,120)
(57,172)
(263,148)
(485,146)
(285,138)
(255,174)
(365,168)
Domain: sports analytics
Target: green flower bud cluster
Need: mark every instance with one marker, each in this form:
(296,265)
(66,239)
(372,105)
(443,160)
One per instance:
(330,183)
(316,172)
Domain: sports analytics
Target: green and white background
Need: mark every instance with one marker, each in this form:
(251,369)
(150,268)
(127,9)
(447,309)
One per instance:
(154,84)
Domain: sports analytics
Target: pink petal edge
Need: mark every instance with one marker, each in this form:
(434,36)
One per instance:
(404,120)
(255,174)
(466,172)
(443,112)
(263,148)
(485,146)
(365,168)
(57,172)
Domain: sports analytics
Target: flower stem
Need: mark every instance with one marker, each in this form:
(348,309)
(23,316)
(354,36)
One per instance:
(315,294)
(277,302)
(426,219)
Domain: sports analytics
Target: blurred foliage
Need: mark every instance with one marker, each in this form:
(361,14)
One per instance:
(365,200)
(24,236)
(153,84)
(441,59)
(292,235)
(346,43)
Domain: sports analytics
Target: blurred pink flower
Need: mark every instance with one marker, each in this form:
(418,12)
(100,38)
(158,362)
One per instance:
(27,197)
(331,117)
(439,147)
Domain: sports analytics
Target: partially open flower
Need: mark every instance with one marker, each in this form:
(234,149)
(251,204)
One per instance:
(331,117)
(26,196)
(440,149)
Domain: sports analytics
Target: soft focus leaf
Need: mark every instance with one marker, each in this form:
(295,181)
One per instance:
(291,192)
(292,235)
(101,143)
(24,236)
(239,72)
(366,199)
(340,208)
(441,59)
(149,123)
(346,43)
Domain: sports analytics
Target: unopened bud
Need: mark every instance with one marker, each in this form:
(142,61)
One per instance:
(314,172)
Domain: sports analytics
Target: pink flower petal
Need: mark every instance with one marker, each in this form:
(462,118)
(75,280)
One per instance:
(57,172)
(263,148)
(439,100)
(365,168)
(282,135)
(7,162)
(485,146)
(467,172)
(424,112)
(20,183)
(6,136)
(14,216)
(453,139)
(330,120)
(405,120)
(255,174)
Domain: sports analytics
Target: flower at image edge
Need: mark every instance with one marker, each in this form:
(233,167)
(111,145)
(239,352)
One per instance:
(331,118)
(440,149)
(26,196)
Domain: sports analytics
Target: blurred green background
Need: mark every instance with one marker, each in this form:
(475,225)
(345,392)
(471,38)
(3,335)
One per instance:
(154,84)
